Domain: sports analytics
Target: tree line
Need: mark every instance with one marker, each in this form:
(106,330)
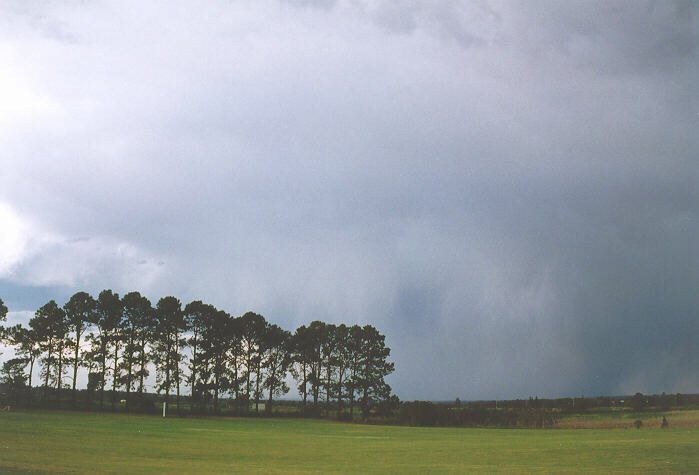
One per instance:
(120,341)
(426,413)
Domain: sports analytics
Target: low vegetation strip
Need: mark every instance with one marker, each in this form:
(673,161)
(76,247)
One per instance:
(675,419)
(79,441)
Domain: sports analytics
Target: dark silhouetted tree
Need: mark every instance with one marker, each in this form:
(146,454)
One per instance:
(28,346)
(196,315)
(12,375)
(253,330)
(3,317)
(145,328)
(52,328)
(215,341)
(354,352)
(276,360)
(342,361)
(235,360)
(169,324)
(137,310)
(302,349)
(328,354)
(40,324)
(373,368)
(109,317)
(314,342)
(80,314)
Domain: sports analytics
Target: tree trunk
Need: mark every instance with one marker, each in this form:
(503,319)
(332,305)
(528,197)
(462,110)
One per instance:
(269,402)
(365,404)
(216,385)
(193,375)
(247,383)
(351,404)
(167,371)
(129,369)
(237,385)
(257,390)
(305,379)
(103,371)
(88,394)
(59,378)
(142,358)
(114,376)
(46,379)
(316,381)
(178,392)
(327,390)
(31,370)
(176,374)
(75,365)
(339,393)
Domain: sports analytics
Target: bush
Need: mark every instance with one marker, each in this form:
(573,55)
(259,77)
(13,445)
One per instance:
(387,407)
(13,378)
(639,402)
(344,417)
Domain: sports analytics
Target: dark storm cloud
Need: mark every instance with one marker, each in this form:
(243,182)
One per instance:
(507,191)
(622,37)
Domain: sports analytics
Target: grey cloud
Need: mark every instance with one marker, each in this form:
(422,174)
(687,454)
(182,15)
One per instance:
(615,37)
(467,24)
(507,192)
(322,4)
(39,18)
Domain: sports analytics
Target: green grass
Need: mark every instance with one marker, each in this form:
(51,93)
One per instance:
(87,442)
(684,419)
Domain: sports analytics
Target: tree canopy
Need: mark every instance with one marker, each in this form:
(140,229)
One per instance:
(247,359)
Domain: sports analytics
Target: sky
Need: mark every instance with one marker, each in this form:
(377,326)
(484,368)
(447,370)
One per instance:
(507,190)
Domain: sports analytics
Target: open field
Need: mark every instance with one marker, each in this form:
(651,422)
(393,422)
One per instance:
(625,420)
(64,441)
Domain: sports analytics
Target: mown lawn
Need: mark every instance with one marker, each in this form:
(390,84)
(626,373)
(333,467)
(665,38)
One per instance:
(86,442)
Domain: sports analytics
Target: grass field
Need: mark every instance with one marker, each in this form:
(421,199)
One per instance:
(625,420)
(86,442)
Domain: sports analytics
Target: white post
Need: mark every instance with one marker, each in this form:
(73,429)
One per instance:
(164,406)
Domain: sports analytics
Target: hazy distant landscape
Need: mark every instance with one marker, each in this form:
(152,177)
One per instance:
(209,412)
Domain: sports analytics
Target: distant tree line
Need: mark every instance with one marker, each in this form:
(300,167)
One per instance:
(533,412)
(246,359)
(582,404)
(425,413)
